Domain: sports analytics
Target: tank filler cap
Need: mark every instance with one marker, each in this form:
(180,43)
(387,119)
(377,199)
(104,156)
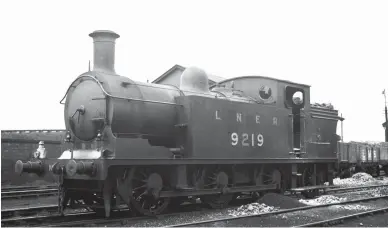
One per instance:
(194,80)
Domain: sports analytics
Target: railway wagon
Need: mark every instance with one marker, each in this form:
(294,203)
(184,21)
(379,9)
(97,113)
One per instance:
(383,156)
(154,145)
(361,156)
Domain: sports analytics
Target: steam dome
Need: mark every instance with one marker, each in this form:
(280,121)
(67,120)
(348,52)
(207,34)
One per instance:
(194,80)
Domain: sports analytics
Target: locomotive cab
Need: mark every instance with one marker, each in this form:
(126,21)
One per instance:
(290,100)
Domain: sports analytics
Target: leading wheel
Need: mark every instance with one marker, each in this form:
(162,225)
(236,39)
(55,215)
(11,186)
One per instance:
(145,187)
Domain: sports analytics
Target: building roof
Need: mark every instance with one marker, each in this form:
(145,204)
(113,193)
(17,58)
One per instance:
(211,77)
(265,77)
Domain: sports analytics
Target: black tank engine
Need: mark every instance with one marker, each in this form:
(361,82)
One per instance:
(148,145)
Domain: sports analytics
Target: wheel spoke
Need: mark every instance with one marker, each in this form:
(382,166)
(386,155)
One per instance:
(143,174)
(140,180)
(140,187)
(142,194)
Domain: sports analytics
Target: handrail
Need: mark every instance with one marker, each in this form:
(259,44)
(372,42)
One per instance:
(113,96)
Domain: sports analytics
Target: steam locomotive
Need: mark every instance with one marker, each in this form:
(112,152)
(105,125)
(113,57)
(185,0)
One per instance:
(150,145)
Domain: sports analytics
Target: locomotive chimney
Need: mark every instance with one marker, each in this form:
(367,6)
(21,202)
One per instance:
(104,50)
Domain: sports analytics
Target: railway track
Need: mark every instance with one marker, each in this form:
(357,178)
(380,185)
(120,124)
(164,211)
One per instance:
(347,189)
(223,221)
(26,211)
(342,219)
(73,219)
(28,193)
(123,217)
(19,188)
(336,189)
(48,220)
(29,215)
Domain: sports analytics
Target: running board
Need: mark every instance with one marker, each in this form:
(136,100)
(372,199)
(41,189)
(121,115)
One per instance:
(194,192)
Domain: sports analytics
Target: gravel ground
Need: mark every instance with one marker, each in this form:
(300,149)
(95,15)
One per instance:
(280,201)
(183,218)
(359,179)
(345,196)
(378,220)
(302,217)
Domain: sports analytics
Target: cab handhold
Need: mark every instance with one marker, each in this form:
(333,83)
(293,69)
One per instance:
(29,167)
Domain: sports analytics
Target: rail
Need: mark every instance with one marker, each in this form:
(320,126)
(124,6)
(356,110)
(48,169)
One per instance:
(341,219)
(33,131)
(17,188)
(29,193)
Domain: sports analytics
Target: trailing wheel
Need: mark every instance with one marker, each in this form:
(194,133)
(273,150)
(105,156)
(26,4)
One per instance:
(307,177)
(273,176)
(257,181)
(307,180)
(321,177)
(145,187)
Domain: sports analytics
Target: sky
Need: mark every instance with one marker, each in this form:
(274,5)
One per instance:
(340,48)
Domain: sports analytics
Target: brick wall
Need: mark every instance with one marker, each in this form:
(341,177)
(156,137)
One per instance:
(20,145)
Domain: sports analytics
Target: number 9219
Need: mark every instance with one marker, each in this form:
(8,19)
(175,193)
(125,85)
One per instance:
(247,139)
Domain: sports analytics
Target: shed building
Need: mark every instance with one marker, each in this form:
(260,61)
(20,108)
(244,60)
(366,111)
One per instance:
(172,77)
